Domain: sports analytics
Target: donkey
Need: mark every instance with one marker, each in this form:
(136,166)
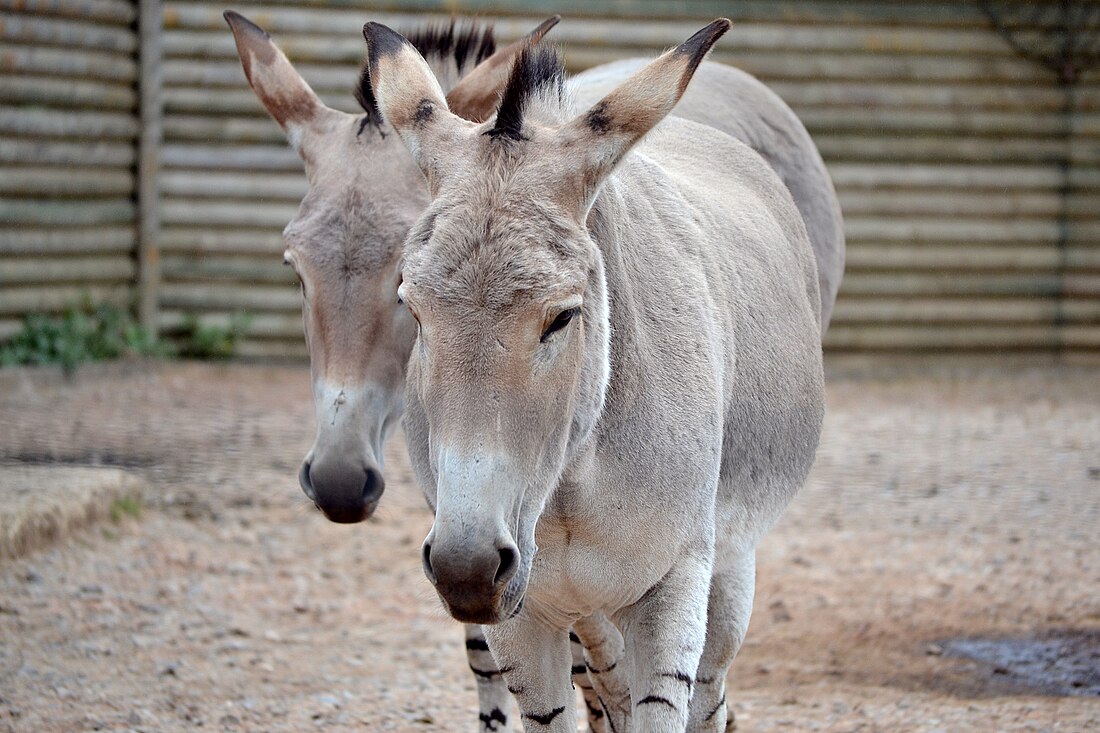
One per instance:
(345,246)
(616,385)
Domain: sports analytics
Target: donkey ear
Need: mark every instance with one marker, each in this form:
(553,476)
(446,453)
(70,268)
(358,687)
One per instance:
(281,89)
(477,95)
(607,131)
(410,98)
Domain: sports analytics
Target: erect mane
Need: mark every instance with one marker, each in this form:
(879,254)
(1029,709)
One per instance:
(536,84)
(450,49)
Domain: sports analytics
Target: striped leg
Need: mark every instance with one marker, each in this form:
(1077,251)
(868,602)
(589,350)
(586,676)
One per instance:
(665,633)
(493,698)
(596,722)
(535,660)
(730,604)
(603,651)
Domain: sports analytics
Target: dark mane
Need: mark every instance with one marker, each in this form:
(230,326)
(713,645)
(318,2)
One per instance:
(538,71)
(467,45)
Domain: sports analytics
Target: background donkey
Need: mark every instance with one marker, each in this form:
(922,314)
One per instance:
(603,358)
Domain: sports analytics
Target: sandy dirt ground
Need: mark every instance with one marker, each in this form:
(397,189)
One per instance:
(949,513)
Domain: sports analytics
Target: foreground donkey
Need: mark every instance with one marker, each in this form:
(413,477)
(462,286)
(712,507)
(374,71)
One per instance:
(616,386)
(345,245)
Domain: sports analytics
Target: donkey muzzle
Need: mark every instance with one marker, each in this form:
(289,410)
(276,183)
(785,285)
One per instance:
(473,580)
(345,493)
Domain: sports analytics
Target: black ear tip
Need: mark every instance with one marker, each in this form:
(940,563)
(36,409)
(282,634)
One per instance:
(382,40)
(240,24)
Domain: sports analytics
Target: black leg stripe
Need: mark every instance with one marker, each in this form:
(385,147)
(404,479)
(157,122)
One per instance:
(717,708)
(610,717)
(574,638)
(488,674)
(593,670)
(547,718)
(579,668)
(704,680)
(679,677)
(657,700)
(493,719)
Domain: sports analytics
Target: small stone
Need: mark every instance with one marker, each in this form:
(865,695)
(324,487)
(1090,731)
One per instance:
(934,650)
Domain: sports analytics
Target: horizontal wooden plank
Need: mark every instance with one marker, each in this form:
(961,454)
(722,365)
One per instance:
(118,12)
(891,174)
(944,122)
(934,229)
(230,297)
(286,326)
(268,187)
(268,269)
(926,149)
(949,284)
(66,93)
(192,101)
(21,152)
(995,205)
(1014,337)
(199,240)
(974,95)
(80,270)
(233,213)
(965,311)
(37,212)
(959,257)
(267,349)
(9,327)
(180,127)
(63,240)
(237,157)
(77,124)
(17,301)
(30,181)
(72,62)
(40,29)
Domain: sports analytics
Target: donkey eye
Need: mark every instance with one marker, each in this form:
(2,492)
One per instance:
(559,323)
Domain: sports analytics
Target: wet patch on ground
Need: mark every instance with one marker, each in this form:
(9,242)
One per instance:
(1064,662)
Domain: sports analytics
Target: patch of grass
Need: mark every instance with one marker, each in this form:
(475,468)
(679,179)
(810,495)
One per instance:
(125,506)
(83,333)
(210,341)
(88,332)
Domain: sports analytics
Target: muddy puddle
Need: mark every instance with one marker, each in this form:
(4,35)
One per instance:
(1061,663)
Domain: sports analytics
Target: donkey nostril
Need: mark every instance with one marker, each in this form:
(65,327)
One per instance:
(426,556)
(507,567)
(373,487)
(305,482)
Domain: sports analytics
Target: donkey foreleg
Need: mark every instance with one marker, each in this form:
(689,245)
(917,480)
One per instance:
(729,607)
(607,694)
(535,660)
(493,699)
(665,633)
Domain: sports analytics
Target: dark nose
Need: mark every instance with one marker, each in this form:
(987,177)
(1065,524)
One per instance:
(471,581)
(346,494)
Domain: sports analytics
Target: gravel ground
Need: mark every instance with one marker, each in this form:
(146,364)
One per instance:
(940,572)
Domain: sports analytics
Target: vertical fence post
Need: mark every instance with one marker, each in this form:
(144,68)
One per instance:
(150,23)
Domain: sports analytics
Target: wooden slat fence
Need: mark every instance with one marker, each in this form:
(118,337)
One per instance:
(67,129)
(969,178)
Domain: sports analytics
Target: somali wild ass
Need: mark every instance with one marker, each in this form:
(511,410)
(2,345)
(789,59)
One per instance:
(616,385)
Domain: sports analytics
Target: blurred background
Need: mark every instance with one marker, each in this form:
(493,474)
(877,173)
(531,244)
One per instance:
(963,138)
(160,569)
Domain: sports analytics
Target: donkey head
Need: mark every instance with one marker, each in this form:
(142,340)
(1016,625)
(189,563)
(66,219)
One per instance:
(508,375)
(345,246)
